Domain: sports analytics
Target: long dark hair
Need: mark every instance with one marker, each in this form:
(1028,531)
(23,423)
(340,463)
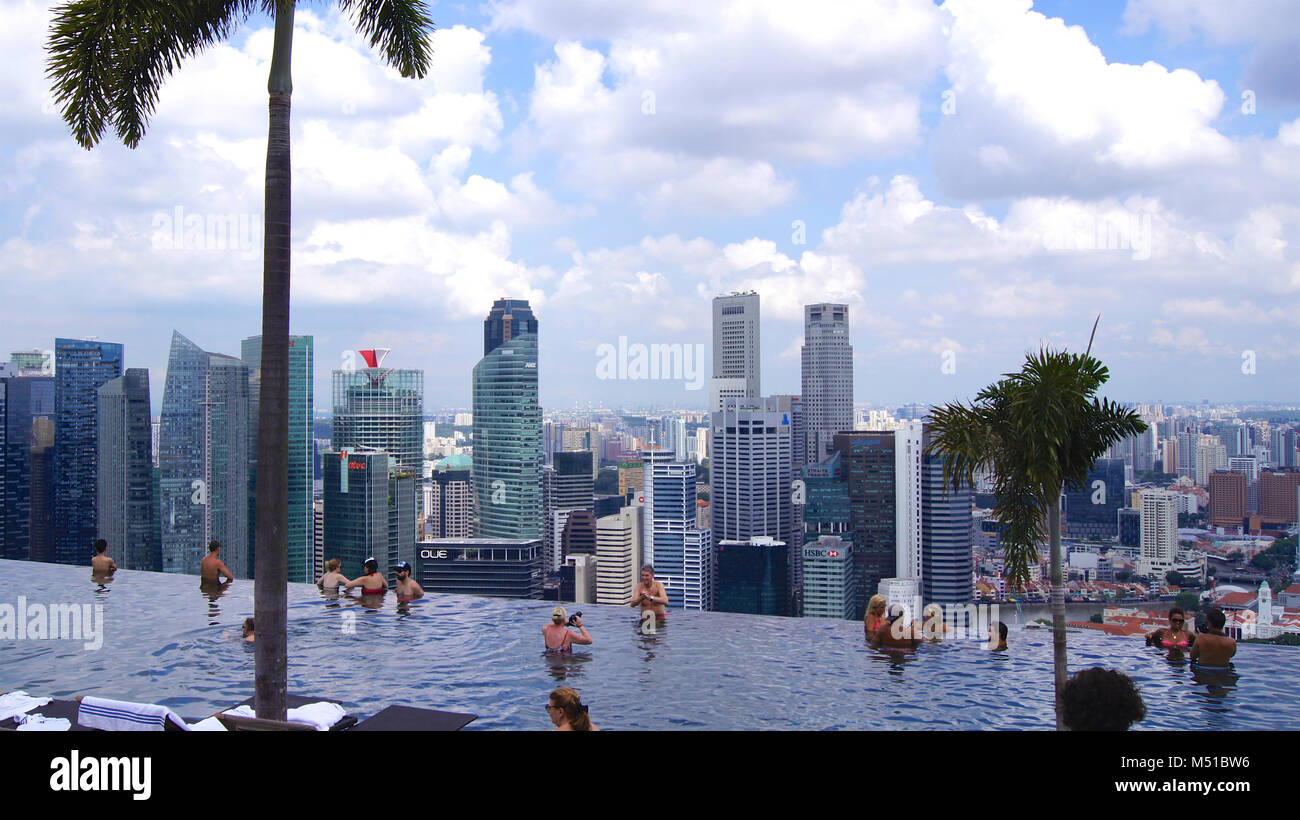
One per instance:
(570,703)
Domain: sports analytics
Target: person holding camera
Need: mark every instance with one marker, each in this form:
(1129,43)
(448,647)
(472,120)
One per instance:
(557,635)
(650,595)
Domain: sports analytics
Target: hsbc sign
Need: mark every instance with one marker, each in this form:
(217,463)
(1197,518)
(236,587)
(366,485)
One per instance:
(821,552)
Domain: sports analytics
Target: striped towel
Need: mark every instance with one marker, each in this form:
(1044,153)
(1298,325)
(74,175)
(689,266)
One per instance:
(124,716)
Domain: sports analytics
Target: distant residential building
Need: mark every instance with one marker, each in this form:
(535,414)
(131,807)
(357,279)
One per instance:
(1159,532)
(1277,495)
(1228,499)
(81,367)
(127,507)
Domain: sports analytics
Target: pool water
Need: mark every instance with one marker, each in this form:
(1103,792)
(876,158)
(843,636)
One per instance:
(167,642)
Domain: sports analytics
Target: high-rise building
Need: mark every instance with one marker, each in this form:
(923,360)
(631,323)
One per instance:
(1130,527)
(1277,493)
(1211,455)
(318,537)
(1091,509)
(203,459)
(828,578)
(736,340)
(579,535)
(33,362)
(41,516)
(1228,499)
(496,567)
(673,541)
(618,556)
(1159,532)
(299,535)
(508,451)
(449,512)
(631,476)
(369,509)
(753,576)
(1169,456)
(23,399)
(81,368)
(127,508)
(568,485)
(382,409)
(827,378)
(947,550)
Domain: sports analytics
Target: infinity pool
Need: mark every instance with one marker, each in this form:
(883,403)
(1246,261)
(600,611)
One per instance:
(166,642)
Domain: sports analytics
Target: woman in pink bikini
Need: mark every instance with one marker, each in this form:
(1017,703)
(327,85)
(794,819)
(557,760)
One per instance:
(1176,636)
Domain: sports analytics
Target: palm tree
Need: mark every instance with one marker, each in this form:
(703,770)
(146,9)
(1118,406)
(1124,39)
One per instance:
(108,61)
(1037,431)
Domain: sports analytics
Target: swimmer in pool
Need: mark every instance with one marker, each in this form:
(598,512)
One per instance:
(372,583)
(1214,650)
(212,568)
(933,627)
(1176,636)
(248,631)
(101,564)
(408,589)
(998,637)
(875,614)
(896,633)
(557,636)
(651,595)
(332,579)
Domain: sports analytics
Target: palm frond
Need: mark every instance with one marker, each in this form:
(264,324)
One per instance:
(400,29)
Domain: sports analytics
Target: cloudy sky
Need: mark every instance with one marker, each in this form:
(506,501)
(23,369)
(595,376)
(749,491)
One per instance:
(973,178)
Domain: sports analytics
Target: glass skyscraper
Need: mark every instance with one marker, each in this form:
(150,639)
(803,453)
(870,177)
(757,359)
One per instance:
(23,399)
(508,451)
(380,408)
(203,459)
(299,535)
(369,510)
(827,378)
(1092,510)
(81,368)
(128,508)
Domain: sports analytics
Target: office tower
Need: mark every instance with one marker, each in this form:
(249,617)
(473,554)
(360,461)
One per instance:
(828,578)
(579,534)
(618,556)
(508,426)
(1246,465)
(41,516)
(1130,527)
(947,552)
(1169,457)
(736,340)
(1211,455)
(1188,444)
(1091,509)
(127,507)
(81,368)
(827,378)
(1228,499)
(568,485)
(701,444)
(380,408)
(631,476)
(299,534)
(318,537)
(450,513)
(753,576)
(674,543)
(203,459)
(1277,492)
(1159,532)
(826,507)
(369,510)
(32,362)
(23,400)
(495,567)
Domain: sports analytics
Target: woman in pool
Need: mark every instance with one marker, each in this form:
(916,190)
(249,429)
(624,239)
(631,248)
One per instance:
(567,711)
(372,583)
(875,615)
(557,636)
(332,579)
(1176,636)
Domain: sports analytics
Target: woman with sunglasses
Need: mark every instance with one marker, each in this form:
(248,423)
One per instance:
(1176,636)
(568,712)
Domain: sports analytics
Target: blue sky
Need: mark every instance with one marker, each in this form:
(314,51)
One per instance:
(943,169)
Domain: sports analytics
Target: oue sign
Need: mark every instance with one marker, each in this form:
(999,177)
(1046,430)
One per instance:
(433,554)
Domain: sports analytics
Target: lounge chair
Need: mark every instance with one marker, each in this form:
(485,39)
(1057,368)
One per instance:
(409,719)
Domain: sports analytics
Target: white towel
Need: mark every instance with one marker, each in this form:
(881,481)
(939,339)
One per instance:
(13,704)
(208,725)
(40,723)
(125,716)
(321,715)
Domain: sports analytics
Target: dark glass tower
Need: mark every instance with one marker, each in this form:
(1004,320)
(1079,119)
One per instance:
(125,492)
(947,555)
(23,399)
(508,319)
(1092,510)
(81,368)
(868,461)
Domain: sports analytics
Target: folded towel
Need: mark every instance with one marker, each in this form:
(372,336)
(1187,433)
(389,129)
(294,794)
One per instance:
(124,716)
(40,723)
(208,725)
(321,715)
(13,704)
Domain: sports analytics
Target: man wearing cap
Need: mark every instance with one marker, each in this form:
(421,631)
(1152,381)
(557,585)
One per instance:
(372,583)
(557,635)
(408,589)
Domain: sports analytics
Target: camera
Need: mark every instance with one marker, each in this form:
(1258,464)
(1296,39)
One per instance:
(575,616)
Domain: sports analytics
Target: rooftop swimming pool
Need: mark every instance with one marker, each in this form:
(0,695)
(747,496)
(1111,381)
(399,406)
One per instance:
(167,642)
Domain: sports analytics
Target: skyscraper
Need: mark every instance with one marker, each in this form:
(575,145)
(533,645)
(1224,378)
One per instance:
(1091,510)
(450,511)
(618,556)
(753,576)
(127,507)
(736,340)
(203,459)
(1159,532)
(299,535)
(571,487)
(828,578)
(369,510)
(1228,499)
(947,551)
(827,378)
(508,451)
(380,408)
(678,548)
(81,368)
(23,399)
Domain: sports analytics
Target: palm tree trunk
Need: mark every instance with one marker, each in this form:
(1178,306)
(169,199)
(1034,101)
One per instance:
(271,571)
(1058,600)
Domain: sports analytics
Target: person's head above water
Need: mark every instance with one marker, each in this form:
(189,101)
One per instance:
(566,706)
(1100,700)
(876,605)
(1215,618)
(213,546)
(896,612)
(1177,616)
(558,615)
(101,546)
(371,565)
(332,565)
(402,566)
(248,626)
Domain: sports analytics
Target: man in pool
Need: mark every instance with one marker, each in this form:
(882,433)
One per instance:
(651,595)
(249,635)
(896,633)
(998,637)
(1213,649)
(212,568)
(408,589)
(101,564)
